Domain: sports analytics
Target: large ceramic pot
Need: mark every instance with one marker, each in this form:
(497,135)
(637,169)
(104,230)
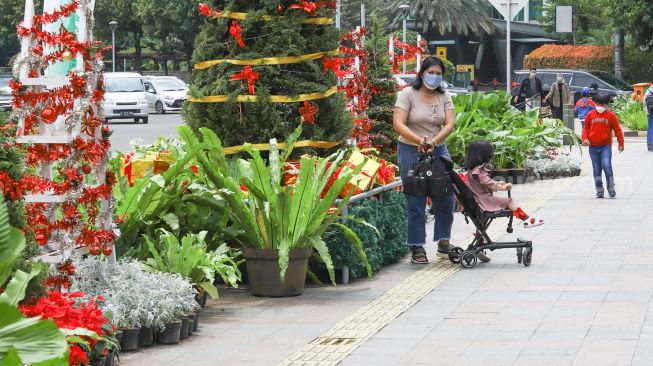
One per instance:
(263,271)
(129,340)
(170,335)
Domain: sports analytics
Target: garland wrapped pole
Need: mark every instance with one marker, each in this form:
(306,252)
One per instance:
(58,91)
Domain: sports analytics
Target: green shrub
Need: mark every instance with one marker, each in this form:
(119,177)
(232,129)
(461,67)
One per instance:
(389,217)
(631,113)
(639,66)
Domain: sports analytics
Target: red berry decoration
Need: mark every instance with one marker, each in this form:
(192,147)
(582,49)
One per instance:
(38,50)
(48,115)
(86,169)
(279,8)
(95,250)
(107,251)
(41,239)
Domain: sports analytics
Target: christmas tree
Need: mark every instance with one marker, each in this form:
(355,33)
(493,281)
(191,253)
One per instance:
(263,67)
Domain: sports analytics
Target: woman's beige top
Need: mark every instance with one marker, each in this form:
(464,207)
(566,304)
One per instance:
(423,119)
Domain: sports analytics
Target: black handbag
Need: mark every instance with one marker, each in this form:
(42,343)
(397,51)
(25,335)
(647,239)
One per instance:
(428,178)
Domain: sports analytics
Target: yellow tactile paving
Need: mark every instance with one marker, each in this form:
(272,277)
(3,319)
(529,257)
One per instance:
(343,338)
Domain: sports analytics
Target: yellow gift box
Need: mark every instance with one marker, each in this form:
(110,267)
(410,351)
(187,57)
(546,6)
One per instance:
(137,168)
(362,181)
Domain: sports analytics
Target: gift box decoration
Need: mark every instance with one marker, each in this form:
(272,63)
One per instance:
(386,174)
(362,181)
(137,168)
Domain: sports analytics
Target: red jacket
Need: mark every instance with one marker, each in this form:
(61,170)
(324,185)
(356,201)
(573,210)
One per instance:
(599,126)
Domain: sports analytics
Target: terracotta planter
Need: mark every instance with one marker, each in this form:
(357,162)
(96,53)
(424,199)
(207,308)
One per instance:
(146,338)
(263,271)
(170,335)
(129,339)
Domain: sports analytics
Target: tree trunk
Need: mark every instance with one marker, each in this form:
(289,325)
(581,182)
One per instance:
(137,53)
(618,52)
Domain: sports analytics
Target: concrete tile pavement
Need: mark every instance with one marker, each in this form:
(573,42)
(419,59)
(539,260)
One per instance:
(586,299)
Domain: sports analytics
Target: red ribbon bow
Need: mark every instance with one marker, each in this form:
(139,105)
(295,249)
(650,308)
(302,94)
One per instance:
(386,173)
(308,6)
(249,75)
(308,112)
(236,31)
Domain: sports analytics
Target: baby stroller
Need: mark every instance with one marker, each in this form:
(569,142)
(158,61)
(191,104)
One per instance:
(481,219)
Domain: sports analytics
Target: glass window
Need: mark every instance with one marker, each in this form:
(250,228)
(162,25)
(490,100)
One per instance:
(547,78)
(582,80)
(167,85)
(535,9)
(612,80)
(124,85)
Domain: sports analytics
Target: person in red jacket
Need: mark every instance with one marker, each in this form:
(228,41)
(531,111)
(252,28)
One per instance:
(597,134)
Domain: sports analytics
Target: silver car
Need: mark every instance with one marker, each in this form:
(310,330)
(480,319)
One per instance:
(5,93)
(165,95)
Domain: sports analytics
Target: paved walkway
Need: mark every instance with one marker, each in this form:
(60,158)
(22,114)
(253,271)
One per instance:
(585,299)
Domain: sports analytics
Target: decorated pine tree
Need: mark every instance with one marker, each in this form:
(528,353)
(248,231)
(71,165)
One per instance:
(262,67)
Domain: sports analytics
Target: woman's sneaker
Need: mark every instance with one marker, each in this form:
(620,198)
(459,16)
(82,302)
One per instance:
(482,256)
(532,222)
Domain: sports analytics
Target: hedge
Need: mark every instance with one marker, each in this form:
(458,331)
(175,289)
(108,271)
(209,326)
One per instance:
(389,217)
(553,56)
(639,65)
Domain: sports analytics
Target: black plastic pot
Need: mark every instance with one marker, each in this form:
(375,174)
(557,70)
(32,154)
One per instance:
(109,359)
(263,270)
(191,323)
(196,321)
(183,333)
(98,361)
(169,335)
(119,336)
(203,299)
(129,339)
(146,337)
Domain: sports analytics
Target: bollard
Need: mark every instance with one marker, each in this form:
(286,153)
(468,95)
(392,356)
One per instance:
(568,118)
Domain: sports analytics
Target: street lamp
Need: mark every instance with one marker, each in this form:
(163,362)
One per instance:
(114,25)
(404,8)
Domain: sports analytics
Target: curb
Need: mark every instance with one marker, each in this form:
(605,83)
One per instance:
(634,133)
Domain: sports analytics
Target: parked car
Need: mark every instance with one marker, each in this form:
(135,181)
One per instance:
(407,79)
(171,78)
(165,95)
(125,96)
(597,81)
(5,93)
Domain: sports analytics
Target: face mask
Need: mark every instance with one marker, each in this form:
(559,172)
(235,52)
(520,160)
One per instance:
(560,79)
(432,81)
(600,109)
(532,75)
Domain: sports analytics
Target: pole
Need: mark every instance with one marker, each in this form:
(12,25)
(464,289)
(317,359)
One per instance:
(508,56)
(338,14)
(419,54)
(113,50)
(403,67)
(362,14)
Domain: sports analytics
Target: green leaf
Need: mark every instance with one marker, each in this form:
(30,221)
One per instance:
(323,251)
(15,291)
(210,289)
(34,340)
(11,358)
(358,246)
(172,220)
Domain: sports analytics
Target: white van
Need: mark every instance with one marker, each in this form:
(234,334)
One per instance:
(125,96)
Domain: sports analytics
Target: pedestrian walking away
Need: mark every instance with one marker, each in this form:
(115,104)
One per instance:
(558,96)
(424,118)
(584,105)
(648,103)
(597,134)
(530,91)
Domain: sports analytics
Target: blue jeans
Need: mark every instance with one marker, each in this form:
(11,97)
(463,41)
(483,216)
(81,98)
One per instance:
(602,162)
(649,133)
(444,206)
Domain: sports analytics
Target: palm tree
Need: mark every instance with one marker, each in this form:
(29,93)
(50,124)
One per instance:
(460,16)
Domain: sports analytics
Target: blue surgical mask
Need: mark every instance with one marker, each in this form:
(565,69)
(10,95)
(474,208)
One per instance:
(432,81)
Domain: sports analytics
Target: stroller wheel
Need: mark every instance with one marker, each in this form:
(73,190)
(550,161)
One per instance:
(454,254)
(519,254)
(468,259)
(528,256)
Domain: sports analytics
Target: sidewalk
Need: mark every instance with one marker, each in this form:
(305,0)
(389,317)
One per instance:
(584,299)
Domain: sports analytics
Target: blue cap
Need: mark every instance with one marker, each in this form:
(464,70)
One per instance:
(585,91)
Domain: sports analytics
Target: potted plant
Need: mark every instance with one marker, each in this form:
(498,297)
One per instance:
(172,298)
(280,225)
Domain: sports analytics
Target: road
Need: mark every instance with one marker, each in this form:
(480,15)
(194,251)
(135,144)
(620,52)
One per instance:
(126,130)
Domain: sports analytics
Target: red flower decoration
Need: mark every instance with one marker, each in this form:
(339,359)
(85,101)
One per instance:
(307,6)
(249,75)
(308,112)
(236,31)
(204,10)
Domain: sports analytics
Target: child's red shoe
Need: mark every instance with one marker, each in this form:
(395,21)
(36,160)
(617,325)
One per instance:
(532,222)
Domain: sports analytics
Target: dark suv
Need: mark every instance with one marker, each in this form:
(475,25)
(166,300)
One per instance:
(597,81)
(5,93)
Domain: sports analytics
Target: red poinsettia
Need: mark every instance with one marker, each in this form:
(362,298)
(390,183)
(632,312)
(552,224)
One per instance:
(308,112)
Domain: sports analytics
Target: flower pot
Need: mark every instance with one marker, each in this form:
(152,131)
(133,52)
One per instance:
(119,336)
(196,322)
(191,322)
(183,333)
(263,271)
(129,339)
(98,361)
(146,338)
(169,335)
(110,358)
(203,299)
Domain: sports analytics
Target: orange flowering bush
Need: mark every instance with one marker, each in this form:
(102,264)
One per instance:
(571,57)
